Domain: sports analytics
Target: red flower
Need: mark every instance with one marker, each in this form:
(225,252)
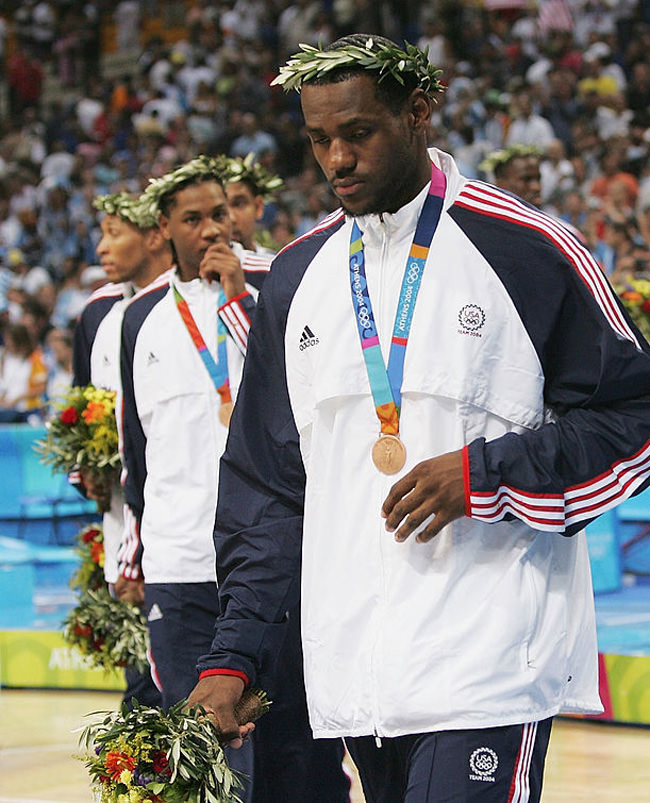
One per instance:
(69,416)
(116,763)
(646,306)
(160,762)
(90,535)
(83,630)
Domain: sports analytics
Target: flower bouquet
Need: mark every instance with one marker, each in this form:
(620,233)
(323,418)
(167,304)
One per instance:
(89,546)
(144,754)
(635,295)
(109,632)
(83,434)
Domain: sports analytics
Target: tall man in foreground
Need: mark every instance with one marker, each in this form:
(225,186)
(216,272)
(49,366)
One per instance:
(421,473)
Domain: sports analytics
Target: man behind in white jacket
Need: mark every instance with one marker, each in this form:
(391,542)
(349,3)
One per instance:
(133,253)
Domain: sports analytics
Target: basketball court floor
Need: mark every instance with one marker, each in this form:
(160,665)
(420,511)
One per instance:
(587,761)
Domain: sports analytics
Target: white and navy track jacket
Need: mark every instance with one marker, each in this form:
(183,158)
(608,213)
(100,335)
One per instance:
(172,438)
(520,355)
(96,360)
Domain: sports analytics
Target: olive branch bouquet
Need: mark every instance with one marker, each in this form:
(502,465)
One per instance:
(110,633)
(141,754)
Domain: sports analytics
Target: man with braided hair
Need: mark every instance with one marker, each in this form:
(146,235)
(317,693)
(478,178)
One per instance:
(133,253)
(183,345)
(440,393)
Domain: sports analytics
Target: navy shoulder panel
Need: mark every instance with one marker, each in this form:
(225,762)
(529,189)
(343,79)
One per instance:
(85,332)
(537,259)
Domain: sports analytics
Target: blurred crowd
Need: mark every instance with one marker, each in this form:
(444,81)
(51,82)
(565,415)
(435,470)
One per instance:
(570,77)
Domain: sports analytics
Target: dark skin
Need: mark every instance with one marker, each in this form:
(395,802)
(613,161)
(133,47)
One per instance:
(376,162)
(522,177)
(198,224)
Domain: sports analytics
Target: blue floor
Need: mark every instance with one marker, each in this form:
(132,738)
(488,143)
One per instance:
(623,618)
(34,584)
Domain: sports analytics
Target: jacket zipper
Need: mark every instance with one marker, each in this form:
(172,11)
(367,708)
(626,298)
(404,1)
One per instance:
(382,534)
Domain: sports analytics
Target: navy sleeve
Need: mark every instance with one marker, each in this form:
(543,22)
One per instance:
(595,451)
(258,528)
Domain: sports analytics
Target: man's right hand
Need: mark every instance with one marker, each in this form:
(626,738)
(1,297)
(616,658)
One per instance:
(219,694)
(130,590)
(97,487)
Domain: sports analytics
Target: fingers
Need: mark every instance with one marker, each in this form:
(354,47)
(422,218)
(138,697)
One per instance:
(434,491)
(221,264)
(392,509)
(219,695)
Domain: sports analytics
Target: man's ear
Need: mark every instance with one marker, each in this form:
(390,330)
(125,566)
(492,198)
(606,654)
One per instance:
(420,109)
(259,207)
(163,226)
(154,238)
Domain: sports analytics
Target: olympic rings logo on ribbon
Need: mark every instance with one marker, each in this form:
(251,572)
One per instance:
(413,273)
(364,317)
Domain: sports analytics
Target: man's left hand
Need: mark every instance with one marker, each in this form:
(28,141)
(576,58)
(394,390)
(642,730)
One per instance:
(221,264)
(434,487)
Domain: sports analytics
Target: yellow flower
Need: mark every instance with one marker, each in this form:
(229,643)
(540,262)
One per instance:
(104,440)
(126,776)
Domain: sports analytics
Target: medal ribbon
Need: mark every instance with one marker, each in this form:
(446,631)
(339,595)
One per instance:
(386,383)
(218,371)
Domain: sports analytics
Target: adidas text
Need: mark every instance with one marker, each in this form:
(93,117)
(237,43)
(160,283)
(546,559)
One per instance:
(307,339)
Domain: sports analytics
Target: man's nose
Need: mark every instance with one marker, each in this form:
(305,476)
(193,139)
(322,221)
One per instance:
(341,156)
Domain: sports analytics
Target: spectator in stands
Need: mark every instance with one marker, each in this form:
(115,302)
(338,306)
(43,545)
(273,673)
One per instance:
(252,138)
(58,356)
(528,127)
(23,376)
(611,170)
(25,79)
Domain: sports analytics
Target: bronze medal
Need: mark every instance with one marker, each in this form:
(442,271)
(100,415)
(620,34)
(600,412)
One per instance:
(225,413)
(389,454)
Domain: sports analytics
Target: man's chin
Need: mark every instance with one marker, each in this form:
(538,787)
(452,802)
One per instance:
(360,209)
